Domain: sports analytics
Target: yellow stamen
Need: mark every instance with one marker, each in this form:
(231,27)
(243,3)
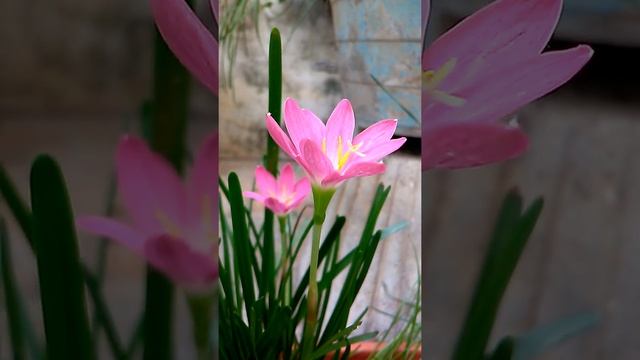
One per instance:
(431,80)
(324,145)
(343,158)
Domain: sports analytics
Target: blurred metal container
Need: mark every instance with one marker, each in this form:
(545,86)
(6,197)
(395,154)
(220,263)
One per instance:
(614,22)
(380,38)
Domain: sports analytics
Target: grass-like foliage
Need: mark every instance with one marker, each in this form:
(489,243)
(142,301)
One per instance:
(258,320)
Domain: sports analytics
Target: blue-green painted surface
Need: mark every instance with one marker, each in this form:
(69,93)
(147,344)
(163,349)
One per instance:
(380,38)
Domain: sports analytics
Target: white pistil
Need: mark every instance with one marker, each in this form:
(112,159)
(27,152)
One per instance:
(432,79)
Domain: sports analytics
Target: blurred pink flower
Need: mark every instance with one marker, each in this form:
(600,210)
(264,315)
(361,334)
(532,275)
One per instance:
(330,154)
(173,226)
(484,69)
(189,39)
(281,195)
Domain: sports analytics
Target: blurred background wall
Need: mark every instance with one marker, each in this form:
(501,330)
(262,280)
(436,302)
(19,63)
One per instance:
(310,71)
(75,73)
(584,254)
(73,77)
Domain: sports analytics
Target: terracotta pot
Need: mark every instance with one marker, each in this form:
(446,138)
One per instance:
(364,350)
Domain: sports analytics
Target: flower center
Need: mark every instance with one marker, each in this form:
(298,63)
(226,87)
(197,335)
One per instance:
(169,226)
(342,156)
(431,80)
(287,198)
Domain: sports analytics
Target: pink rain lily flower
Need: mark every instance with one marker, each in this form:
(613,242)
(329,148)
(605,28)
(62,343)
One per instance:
(189,39)
(173,225)
(483,70)
(330,154)
(281,195)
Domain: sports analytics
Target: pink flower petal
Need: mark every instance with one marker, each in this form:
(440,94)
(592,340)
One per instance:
(113,230)
(295,203)
(189,268)
(376,153)
(189,39)
(314,161)
(502,91)
(461,145)
(265,182)
(355,170)
(365,169)
(255,196)
(302,190)
(503,32)
(150,189)
(302,124)
(276,206)
(341,124)
(375,134)
(286,180)
(280,137)
(302,187)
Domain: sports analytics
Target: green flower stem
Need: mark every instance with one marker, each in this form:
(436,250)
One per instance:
(284,262)
(202,307)
(321,199)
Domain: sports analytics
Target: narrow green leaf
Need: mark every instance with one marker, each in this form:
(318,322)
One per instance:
(395,228)
(536,341)
(168,114)
(136,339)
(17,206)
(12,296)
(24,217)
(158,319)
(357,271)
(268,270)
(275,96)
(241,243)
(329,240)
(504,350)
(101,262)
(507,244)
(61,284)
(103,315)
(267,277)
(170,105)
(339,338)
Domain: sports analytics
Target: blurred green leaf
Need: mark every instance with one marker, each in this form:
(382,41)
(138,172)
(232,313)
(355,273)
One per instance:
(103,319)
(390,230)
(103,315)
(17,206)
(167,116)
(534,342)
(510,236)
(504,350)
(12,296)
(59,270)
